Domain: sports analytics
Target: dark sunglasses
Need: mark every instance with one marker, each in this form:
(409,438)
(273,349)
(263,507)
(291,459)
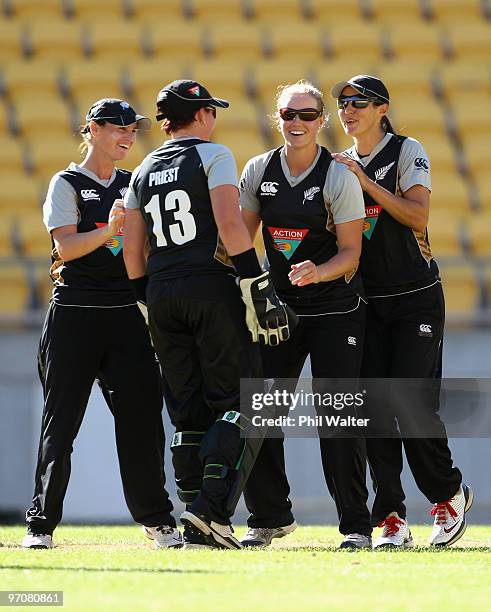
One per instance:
(356,102)
(304,114)
(212,110)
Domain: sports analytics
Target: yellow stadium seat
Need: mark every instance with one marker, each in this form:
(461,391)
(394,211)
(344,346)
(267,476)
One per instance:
(483,183)
(35,240)
(465,78)
(274,11)
(395,12)
(220,77)
(418,116)
(413,41)
(471,114)
(449,192)
(14,289)
(11,156)
(28,78)
(461,288)
(478,154)
(89,10)
(180,43)
(326,11)
(359,40)
(215,11)
(243,146)
(444,233)
(43,282)
(90,80)
(470,41)
(243,42)
(245,118)
(138,151)
(441,153)
(59,40)
(22,9)
(479,231)
(13,39)
(267,77)
(49,114)
(156,10)
(304,41)
(407,78)
(6,248)
(50,155)
(330,71)
(21,192)
(116,40)
(456,11)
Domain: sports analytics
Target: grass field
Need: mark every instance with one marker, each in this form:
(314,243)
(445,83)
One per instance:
(115,568)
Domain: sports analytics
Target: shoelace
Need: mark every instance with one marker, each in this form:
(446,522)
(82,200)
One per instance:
(165,529)
(261,531)
(391,525)
(440,511)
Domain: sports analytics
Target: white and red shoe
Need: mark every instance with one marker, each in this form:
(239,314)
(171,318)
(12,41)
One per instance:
(450,525)
(395,534)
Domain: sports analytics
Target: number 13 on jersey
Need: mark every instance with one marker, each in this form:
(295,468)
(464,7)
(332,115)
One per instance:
(179,203)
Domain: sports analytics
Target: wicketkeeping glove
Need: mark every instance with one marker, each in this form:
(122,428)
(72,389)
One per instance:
(267,318)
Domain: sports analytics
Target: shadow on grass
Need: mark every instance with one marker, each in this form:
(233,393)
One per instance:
(397,551)
(145,570)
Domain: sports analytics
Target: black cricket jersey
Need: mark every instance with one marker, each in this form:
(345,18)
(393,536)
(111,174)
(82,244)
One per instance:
(298,225)
(171,187)
(99,278)
(395,259)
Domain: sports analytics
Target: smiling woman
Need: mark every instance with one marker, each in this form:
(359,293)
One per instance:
(92,308)
(312,219)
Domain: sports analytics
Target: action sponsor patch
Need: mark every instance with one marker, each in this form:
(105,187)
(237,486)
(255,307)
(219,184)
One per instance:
(371,217)
(287,240)
(114,243)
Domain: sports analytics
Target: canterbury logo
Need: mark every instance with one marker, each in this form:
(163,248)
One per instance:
(269,188)
(422,163)
(425,330)
(123,191)
(309,194)
(352,340)
(382,172)
(89,194)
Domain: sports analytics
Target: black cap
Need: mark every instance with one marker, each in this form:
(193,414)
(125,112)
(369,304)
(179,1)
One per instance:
(184,95)
(364,84)
(117,112)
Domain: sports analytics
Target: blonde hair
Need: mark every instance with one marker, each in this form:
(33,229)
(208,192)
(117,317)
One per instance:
(84,132)
(302,87)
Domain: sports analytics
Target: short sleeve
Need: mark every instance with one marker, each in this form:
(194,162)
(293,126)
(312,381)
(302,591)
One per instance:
(414,165)
(60,206)
(130,198)
(218,164)
(343,192)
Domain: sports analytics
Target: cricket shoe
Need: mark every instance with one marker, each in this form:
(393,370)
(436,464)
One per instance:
(195,539)
(450,525)
(164,536)
(221,534)
(260,537)
(356,541)
(395,534)
(37,540)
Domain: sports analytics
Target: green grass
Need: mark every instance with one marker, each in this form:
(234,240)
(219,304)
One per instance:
(115,568)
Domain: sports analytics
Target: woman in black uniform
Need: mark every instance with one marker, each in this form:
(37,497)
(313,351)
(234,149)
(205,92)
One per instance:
(406,311)
(312,216)
(95,331)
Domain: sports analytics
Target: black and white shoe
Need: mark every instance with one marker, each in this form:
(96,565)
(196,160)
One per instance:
(395,534)
(196,540)
(356,541)
(449,525)
(222,534)
(37,541)
(260,537)
(164,536)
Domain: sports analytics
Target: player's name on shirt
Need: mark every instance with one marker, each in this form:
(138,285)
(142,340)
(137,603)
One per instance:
(169,175)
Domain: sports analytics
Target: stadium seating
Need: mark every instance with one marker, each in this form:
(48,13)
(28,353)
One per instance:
(183,43)
(449,192)
(266,77)
(11,155)
(34,239)
(390,13)
(418,116)
(156,10)
(88,81)
(244,42)
(14,290)
(20,194)
(456,11)
(470,41)
(95,10)
(445,233)
(57,40)
(21,9)
(215,11)
(52,154)
(479,233)
(416,41)
(28,78)
(49,115)
(267,11)
(12,40)
(461,287)
(407,78)
(471,114)
(327,11)
(359,40)
(116,40)
(457,78)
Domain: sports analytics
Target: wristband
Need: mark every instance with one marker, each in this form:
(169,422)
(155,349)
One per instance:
(247,264)
(139,288)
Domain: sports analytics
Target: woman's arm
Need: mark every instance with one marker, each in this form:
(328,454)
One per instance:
(71,245)
(252,221)
(135,247)
(412,209)
(345,261)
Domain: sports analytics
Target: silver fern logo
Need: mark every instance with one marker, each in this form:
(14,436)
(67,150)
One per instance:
(123,191)
(382,172)
(309,194)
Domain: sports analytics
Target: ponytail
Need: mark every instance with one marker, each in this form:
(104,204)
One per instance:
(386,125)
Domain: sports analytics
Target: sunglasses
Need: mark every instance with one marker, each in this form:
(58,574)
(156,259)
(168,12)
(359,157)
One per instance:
(212,110)
(304,114)
(356,102)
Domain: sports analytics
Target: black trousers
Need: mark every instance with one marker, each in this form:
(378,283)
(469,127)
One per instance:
(325,339)
(199,332)
(112,345)
(396,347)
